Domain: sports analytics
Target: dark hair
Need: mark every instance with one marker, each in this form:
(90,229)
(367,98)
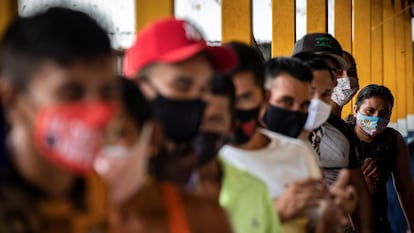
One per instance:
(62,35)
(315,62)
(374,90)
(135,103)
(292,66)
(222,85)
(350,56)
(250,60)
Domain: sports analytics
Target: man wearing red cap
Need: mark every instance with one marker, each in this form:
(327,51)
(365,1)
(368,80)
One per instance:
(173,66)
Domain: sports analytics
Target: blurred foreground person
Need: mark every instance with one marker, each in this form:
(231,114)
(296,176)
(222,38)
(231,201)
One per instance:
(59,93)
(140,203)
(173,66)
(384,153)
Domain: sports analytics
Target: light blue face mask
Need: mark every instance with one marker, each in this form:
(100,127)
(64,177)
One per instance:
(371,125)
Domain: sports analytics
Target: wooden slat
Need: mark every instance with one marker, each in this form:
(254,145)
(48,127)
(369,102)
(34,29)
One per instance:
(8,10)
(236,16)
(343,33)
(376,43)
(283,27)
(362,40)
(147,11)
(389,52)
(409,63)
(343,23)
(400,77)
(316,16)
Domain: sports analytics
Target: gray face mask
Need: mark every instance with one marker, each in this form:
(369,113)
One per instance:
(318,113)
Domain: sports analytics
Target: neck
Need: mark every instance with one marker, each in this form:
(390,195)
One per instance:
(257,141)
(34,168)
(336,109)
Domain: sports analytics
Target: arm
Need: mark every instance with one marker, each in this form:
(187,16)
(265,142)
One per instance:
(403,182)
(364,209)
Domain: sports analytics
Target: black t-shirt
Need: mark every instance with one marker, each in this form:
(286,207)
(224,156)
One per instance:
(384,151)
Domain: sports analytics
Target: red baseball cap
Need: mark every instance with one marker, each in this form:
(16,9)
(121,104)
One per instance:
(172,40)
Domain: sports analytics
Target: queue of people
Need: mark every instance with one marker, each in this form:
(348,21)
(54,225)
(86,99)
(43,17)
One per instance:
(192,137)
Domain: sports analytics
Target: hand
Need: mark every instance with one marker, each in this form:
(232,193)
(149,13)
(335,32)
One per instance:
(371,174)
(343,195)
(299,196)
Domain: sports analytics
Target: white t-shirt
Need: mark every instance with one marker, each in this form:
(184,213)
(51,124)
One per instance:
(284,160)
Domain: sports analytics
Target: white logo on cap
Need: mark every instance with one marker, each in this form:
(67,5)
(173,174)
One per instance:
(192,33)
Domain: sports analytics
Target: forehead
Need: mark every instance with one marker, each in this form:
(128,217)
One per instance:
(218,104)
(244,81)
(322,78)
(196,65)
(376,102)
(285,84)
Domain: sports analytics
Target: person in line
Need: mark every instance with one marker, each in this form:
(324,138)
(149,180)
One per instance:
(335,141)
(140,203)
(174,76)
(384,145)
(58,101)
(235,189)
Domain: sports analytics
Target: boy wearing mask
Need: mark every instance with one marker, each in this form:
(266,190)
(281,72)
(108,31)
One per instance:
(59,92)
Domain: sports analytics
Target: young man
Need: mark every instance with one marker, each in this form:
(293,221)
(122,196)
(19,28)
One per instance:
(347,85)
(174,75)
(59,92)
(235,189)
(248,78)
(285,164)
(173,66)
(334,141)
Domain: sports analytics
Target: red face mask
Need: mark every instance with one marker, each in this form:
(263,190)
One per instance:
(70,135)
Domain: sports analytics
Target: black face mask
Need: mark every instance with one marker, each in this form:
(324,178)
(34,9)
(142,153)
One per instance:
(248,123)
(207,145)
(180,119)
(286,122)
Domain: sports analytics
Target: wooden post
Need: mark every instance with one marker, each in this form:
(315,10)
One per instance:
(236,16)
(400,74)
(316,16)
(147,11)
(8,10)
(283,27)
(343,33)
(389,53)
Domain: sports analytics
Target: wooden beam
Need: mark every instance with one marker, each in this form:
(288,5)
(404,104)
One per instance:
(389,52)
(316,16)
(376,43)
(400,71)
(283,27)
(8,10)
(343,33)
(236,16)
(147,11)
(362,40)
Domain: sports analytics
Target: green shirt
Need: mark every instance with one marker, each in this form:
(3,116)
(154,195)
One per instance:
(247,202)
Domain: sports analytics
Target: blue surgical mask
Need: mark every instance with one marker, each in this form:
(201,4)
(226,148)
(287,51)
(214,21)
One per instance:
(371,125)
